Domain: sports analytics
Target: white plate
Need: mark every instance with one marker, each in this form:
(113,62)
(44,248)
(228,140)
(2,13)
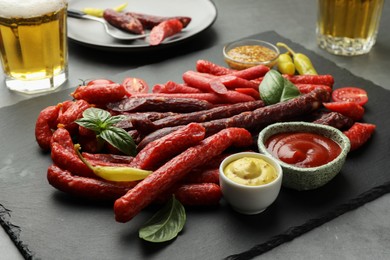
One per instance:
(90,33)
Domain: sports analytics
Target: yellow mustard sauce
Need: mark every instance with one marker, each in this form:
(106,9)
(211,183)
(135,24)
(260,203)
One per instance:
(250,171)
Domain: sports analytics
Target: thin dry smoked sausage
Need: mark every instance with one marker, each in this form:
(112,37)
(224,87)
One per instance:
(63,154)
(159,104)
(46,122)
(159,151)
(259,118)
(80,186)
(147,126)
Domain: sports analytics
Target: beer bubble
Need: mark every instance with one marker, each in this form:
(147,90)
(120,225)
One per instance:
(29,8)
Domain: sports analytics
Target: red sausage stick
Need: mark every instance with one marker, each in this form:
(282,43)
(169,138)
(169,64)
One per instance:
(203,176)
(175,170)
(326,79)
(46,121)
(203,81)
(96,189)
(255,72)
(159,151)
(205,66)
(164,30)
(173,87)
(200,194)
(100,94)
(63,154)
(73,112)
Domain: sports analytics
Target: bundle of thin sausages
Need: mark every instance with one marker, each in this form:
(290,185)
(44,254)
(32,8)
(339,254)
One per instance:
(183,131)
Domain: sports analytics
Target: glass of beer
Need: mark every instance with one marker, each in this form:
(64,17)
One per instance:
(33,44)
(348,27)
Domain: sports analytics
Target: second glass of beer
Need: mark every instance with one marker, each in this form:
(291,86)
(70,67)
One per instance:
(33,44)
(348,27)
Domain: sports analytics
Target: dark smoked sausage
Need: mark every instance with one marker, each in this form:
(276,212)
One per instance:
(125,22)
(146,126)
(259,118)
(152,116)
(175,170)
(149,21)
(335,119)
(159,104)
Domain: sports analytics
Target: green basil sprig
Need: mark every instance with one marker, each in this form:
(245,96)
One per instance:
(274,88)
(102,123)
(165,224)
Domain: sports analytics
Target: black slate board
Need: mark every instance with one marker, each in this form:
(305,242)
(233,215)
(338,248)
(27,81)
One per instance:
(45,223)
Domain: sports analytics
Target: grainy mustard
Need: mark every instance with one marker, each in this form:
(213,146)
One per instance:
(249,54)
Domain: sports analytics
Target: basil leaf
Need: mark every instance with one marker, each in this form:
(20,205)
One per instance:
(90,124)
(165,224)
(93,119)
(102,123)
(271,87)
(120,139)
(289,91)
(275,88)
(115,119)
(96,114)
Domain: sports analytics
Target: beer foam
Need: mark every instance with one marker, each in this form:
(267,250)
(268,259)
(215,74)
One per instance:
(29,8)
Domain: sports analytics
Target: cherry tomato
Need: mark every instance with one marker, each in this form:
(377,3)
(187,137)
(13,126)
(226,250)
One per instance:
(353,94)
(100,82)
(135,85)
(346,108)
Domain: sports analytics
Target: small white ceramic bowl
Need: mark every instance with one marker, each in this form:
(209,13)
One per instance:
(246,199)
(300,178)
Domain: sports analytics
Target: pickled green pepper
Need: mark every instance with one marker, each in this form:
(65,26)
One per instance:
(302,63)
(285,64)
(114,173)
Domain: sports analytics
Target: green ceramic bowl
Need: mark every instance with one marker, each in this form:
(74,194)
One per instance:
(299,178)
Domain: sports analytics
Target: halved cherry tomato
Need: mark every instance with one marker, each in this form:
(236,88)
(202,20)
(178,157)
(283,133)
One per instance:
(353,94)
(347,108)
(135,85)
(100,82)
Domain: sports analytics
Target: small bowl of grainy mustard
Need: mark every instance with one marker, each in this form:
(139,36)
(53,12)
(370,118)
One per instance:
(247,53)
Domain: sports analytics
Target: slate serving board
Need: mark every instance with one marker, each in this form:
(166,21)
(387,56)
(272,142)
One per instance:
(45,223)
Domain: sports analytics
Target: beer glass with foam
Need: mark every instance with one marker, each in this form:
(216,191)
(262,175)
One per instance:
(348,27)
(33,44)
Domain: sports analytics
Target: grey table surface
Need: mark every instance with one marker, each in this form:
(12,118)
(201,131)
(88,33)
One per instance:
(363,233)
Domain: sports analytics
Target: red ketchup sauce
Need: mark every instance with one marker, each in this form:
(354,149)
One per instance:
(303,149)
